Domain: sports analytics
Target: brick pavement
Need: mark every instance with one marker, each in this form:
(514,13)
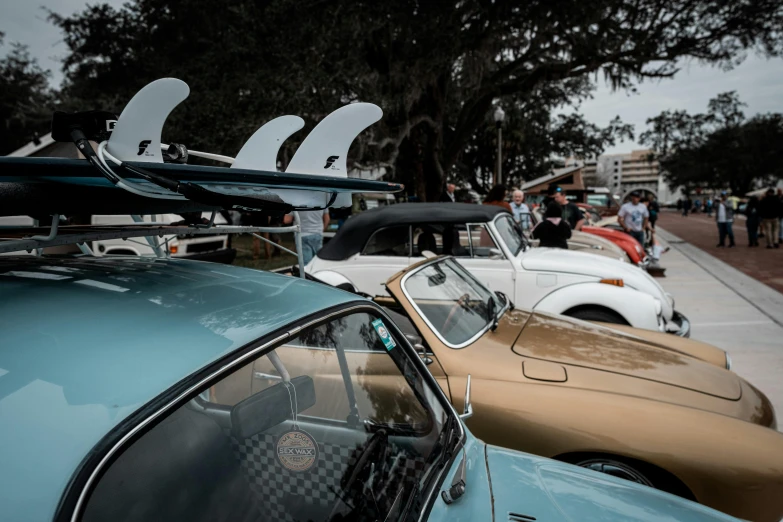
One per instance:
(765,265)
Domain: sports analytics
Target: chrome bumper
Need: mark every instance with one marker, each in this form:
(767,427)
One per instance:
(681,322)
(644,263)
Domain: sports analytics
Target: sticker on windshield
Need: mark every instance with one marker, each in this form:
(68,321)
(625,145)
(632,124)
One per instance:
(384,334)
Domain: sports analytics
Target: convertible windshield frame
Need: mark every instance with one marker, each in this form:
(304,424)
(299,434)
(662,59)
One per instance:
(499,311)
(85,478)
(522,242)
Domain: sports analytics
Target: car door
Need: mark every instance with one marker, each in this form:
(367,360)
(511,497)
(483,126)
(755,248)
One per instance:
(386,253)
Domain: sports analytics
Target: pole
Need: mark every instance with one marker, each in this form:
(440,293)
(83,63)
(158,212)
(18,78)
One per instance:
(499,175)
(298,242)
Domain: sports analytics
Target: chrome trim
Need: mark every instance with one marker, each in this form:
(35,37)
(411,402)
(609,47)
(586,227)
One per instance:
(427,321)
(728,361)
(683,322)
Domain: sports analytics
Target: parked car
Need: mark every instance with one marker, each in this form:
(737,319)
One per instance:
(138,389)
(376,244)
(648,407)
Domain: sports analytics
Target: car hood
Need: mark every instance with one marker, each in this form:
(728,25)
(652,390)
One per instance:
(578,343)
(566,261)
(525,487)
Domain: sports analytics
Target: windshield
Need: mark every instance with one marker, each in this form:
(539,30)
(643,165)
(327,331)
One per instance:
(509,233)
(455,305)
(334,424)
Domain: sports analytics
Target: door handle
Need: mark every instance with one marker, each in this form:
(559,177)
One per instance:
(426,360)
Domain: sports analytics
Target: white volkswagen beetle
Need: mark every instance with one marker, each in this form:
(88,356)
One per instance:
(374,245)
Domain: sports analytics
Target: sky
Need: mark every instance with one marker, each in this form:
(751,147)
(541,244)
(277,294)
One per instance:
(758,81)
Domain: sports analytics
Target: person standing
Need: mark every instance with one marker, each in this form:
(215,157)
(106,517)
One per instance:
(780,209)
(448,195)
(520,210)
(769,213)
(571,212)
(708,203)
(553,231)
(497,196)
(724,215)
(752,221)
(686,206)
(653,208)
(633,217)
(313,223)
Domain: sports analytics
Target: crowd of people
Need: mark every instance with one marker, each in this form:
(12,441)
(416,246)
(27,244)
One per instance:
(763,216)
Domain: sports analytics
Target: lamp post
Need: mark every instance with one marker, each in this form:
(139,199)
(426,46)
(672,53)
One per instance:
(499,116)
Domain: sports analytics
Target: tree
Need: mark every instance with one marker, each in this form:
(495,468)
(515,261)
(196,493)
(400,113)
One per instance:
(437,69)
(717,149)
(26,101)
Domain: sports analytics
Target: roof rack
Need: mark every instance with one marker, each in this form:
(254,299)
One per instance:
(35,239)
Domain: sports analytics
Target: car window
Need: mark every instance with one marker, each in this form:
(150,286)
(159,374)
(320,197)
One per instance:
(456,306)
(347,427)
(390,241)
(509,233)
(427,238)
(479,240)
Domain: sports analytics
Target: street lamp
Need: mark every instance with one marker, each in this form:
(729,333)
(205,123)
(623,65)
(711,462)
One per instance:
(499,116)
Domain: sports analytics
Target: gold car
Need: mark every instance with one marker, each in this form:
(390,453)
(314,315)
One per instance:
(646,406)
(636,404)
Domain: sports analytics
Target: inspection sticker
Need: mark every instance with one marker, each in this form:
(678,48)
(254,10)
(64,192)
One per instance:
(384,334)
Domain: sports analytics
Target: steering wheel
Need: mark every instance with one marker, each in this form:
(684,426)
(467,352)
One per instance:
(461,303)
(374,451)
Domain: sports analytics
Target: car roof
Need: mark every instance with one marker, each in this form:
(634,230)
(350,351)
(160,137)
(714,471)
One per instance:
(353,235)
(86,342)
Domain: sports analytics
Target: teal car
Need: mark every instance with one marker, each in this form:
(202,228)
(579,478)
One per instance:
(136,389)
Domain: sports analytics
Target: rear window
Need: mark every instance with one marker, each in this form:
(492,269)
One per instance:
(391,241)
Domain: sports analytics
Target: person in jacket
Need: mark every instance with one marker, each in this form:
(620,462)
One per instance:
(448,195)
(553,231)
(520,209)
(654,209)
(770,212)
(571,211)
(724,216)
(752,221)
(497,196)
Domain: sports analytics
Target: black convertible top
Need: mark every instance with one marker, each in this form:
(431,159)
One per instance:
(353,235)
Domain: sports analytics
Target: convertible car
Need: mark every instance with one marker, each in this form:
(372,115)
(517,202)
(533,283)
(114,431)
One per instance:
(651,408)
(135,389)
(374,245)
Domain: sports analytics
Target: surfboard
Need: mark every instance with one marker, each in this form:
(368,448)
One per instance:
(44,186)
(316,178)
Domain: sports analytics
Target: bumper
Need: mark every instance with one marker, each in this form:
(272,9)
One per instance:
(644,263)
(679,325)
(225,255)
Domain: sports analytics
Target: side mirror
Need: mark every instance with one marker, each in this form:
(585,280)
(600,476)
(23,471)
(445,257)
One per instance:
(468,411)
(415,340)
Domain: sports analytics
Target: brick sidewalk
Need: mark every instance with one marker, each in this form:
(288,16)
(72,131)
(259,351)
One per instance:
(763,264)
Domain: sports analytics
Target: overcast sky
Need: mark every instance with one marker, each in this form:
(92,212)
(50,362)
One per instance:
(759,82)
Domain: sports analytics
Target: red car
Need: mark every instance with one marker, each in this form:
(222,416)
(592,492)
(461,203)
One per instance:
(631,246)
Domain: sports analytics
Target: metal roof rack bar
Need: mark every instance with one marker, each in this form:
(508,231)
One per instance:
(19,239)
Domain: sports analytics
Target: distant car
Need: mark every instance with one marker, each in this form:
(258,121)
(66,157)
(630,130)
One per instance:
(138,389)
(374,245)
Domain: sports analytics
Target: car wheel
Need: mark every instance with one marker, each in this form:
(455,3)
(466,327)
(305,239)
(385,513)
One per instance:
(596,314)
(616,469)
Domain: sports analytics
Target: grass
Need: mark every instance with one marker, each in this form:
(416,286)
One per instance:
(244,245)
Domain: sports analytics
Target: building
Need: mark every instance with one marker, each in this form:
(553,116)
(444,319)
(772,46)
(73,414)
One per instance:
(624,173)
